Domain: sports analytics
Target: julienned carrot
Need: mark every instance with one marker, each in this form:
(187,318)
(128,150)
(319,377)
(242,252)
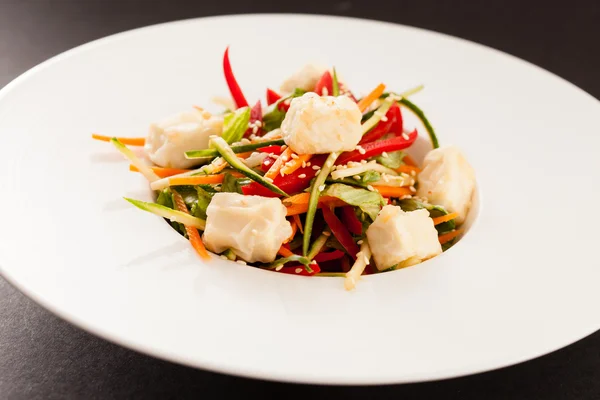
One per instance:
(278,164)
(444,218)
(392,191)
(127,141)
(295,163)
(284,252)
(294,230)
(298,222)
(408,160)
(371,97)
(200,179)
(300,198)
(301,208)
(408,169)
(446,237)
(192,232)
(160,171)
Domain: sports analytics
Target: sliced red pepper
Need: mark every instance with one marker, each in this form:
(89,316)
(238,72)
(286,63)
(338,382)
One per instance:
(345,264)
(271,150)
(382,126)
(234,88)
(326,81)
(398,127)
(351,220)
(373,149)
(328,256)
(291,183)
(340,232)
(255,115)
(272,96)
(299,269)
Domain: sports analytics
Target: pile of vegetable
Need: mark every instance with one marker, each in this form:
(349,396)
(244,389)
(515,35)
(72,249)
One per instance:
(331,199)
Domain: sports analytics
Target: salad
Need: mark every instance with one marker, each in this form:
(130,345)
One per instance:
(317,183)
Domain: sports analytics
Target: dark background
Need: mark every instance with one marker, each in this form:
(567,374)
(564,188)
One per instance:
(44,357)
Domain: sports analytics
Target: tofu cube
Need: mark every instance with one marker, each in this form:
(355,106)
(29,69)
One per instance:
(169,139)
(402,238)
(320,125)
(253,227)
(448,180)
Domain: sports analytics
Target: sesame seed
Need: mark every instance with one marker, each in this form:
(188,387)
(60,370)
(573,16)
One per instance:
(279,267)
(255,129)
(406,196)
(244,141)
(242,262)
(281,172)
(385,177)
(326,233)
(316,167)
(325,92)
(266,178)
(258,123)
(359,242)
(363,161)
(357,177)
(321,188)
(285,158)
(267,162)
(283,147)
(405,136)
(302,176)
(294,156)
(308,164)
(384,118)
(385,154)
(412,189)
(303,164)
(254,232)
(317,173)
(371,188)
(298,270)
(223,257)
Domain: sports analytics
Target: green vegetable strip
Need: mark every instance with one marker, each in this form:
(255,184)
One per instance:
(295,258)
(235,124)
(332,274)
(318,245)
(141,166)
(381,111)
(236,149)
(419,113)
(314,199)
(230,254)
(223,148)
(172,215)
(335,86)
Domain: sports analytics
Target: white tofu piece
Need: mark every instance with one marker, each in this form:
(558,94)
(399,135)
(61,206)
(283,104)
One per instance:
(306,78)
(254,227)
(447,179)
(169,139)
(404,238)
(320,125)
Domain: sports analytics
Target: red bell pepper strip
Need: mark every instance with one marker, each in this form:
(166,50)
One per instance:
(270,150)
(398,127)
(255,115)
(299,269)
(340,232)
(373,149)
(326,81)
(382,126)
(351,220)
(234,88)
(292,183)
(272,96)
(331,255)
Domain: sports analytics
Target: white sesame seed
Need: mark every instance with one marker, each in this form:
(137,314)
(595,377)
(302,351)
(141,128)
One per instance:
(321,188)
(258,123)
(316,167)
(384,118)
(406,196)
(281,172)
(224,257)
(314,262)
(385,177)
(363,161)
(325,92)
(266,178)
(303,164)
(255,129)
(385,154)
(285,158)
(283,147)
(412,189)
(405,136)
(308,164)
(371,188)
(294,156)
(302,176)
(357,177)
(317,173)
(244,141)
(279,267)
(267,162)
(254,232)
(241,262)
(359,242)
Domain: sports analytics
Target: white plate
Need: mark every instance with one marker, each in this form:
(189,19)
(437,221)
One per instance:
(523,282)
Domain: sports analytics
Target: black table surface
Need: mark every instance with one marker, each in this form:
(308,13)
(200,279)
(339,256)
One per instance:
(42,356)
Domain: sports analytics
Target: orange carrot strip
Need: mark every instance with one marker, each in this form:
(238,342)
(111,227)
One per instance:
(197,180)
(160,171)
(300,198)
(296,218)
(294,230)
(444,218)
(393,191)
(408,160)
(446,237)
(371,97)
(408,169)
(301,208)
(127,141)
(278,164)
(284,252)
(192,232)
(295,163)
